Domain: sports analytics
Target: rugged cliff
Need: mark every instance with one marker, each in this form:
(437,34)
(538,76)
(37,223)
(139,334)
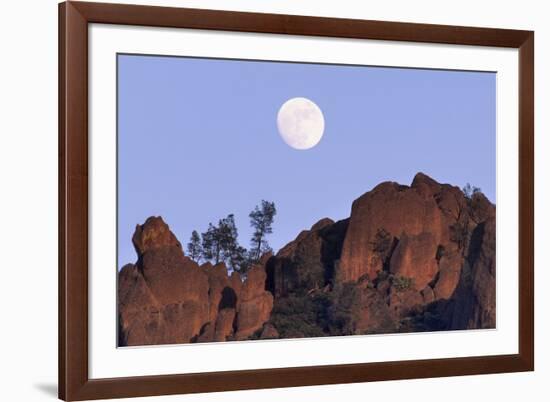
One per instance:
(409,258)
(168,298)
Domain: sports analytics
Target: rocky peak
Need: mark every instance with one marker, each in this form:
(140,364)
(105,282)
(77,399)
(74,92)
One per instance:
(168,298)
(425,185)
(409,258)
(380,217)
(152,235)
(322,223)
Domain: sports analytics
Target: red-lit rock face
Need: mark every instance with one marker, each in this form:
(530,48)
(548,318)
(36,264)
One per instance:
(409,258)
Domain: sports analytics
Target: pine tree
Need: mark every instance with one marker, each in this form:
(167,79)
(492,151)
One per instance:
(220,244)
(194,247)
(469,190)
(261,219)
(233,254)
(211,247)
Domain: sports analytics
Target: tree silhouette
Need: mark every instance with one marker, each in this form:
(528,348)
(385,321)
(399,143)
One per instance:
(220,242)
(194,247)
(211,244)
(470,190)
(261,219)
(232,253)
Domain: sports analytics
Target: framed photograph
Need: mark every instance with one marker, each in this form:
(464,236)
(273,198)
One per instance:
(259,200)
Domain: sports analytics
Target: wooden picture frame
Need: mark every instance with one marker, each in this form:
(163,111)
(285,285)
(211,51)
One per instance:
(74,381)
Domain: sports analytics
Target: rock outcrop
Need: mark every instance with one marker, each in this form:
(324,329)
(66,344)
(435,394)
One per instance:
(308,262)
(167,298)
(255,304)
(415,258)
(473,303)
(409,258)
(393,210)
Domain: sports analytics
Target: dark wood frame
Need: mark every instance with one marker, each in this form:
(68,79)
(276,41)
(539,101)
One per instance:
(74,383)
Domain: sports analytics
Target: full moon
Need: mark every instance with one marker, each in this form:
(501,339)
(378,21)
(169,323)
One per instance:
(300,123)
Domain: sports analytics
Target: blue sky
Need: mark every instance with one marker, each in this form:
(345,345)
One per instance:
(198,139)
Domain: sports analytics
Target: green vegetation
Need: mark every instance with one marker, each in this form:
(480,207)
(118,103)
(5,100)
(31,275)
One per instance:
(469,190)
(341,314)
(402,283)
(382,242)
(300,316)
(261,220)
(194,247)
(220,242)
(382,245)
(319,314)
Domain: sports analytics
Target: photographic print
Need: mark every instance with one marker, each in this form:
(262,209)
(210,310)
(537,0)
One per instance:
(263,200)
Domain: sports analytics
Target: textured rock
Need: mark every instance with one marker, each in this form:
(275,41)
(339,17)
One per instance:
(164,297)
(220,293)
(372,314)
(410,258)
(474,301)
(307,263)
(206,333)
(236,283)
(298,266)
(484,274)
(152,235)
(133,290)
(425,185)
(321,224)
(224,324)
(415,258)
(451,202)
(171,277)
(481,208)
(450,267)
(255,304)
(428,295)
(253,314)
(395,210)
(269,332)
(167,298)
(405,302)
